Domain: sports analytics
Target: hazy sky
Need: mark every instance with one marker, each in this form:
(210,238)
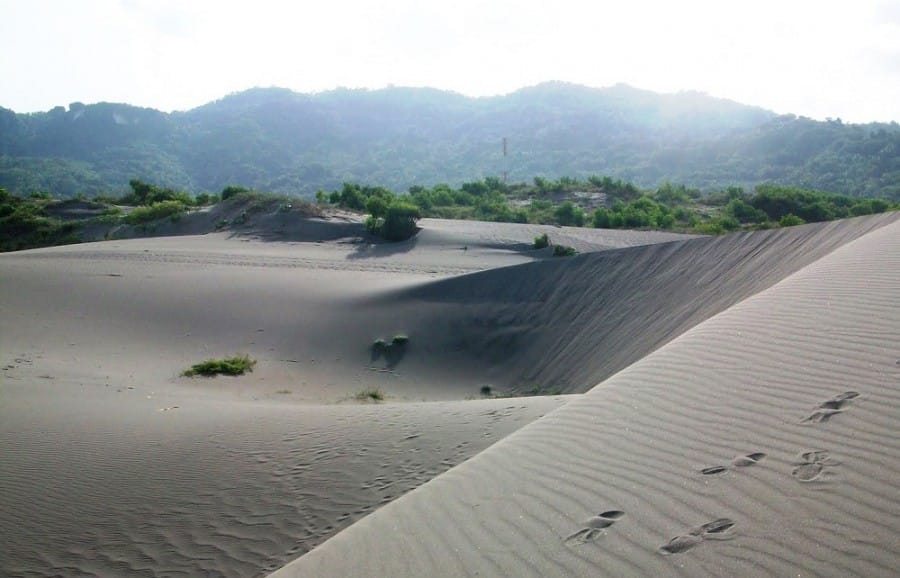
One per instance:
(819,58)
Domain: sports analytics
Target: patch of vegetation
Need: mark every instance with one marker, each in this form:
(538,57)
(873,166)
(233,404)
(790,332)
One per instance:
(389,217)
(611,204)
(25,224)
(375,395)
(156,211)
(486,391)
(541,242)
(564,251)
(237,365)
(146,194)
(392,352)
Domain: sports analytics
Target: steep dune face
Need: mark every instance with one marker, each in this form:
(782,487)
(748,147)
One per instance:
(764,441)
(565,325)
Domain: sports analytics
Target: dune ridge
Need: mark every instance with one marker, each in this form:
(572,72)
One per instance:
(565,325)
(788,400)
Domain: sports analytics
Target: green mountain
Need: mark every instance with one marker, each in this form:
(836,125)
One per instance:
(278,140)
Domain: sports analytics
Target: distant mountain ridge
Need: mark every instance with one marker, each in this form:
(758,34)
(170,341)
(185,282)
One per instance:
(279,140)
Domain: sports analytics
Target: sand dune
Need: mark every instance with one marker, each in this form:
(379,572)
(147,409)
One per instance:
(764,441)
(725,436)
(113,465)
(566,325)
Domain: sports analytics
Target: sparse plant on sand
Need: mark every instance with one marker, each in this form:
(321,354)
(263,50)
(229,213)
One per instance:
(237,365)
(564,251)
(541,242)
(375,395)
(391,352)
(486,391)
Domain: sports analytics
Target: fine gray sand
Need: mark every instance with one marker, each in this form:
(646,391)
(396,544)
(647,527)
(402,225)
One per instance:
(745,421)
(764,441)
(114,465)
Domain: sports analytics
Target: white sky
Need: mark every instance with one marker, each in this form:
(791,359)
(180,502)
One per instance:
(821,58)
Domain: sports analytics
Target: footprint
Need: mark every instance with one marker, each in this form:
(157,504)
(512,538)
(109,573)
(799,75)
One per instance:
(680,544)
(811,465)
(839,401)
(822,415)
(738,462)
(716,530)
(830,408)
(593,528)
(808,472)
(748,460)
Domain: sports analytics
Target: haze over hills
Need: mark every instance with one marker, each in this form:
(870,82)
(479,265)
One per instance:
(278,140)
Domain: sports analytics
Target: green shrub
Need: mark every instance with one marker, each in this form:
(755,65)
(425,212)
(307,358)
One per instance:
(790,220)
(236,365)
(541,241)
(564,251)
(569,214)
(400,340)
(205,199)
(486,391)
(154,212)
(232,190)
(400,221)
(370,395)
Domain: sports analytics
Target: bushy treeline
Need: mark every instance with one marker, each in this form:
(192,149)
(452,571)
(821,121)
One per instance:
(623,205)
(599,202)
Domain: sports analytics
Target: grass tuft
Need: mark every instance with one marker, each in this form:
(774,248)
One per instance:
(370,395)
(237,365)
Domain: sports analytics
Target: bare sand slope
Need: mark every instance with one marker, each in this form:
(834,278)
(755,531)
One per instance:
(98,483)
(137,312)
(763,442)
(565,325)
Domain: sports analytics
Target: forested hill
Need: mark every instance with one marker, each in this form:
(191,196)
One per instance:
(281,141)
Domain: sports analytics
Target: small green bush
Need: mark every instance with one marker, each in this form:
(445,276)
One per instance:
(237,365)
(790,220)
(564,251)
(370,395)
(154,212)
(486,391)
(400,340)
(400,221)
(541,242)
(232,190)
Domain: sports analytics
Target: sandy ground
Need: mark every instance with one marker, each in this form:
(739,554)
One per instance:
(764,441)
(115,465)
(740,414)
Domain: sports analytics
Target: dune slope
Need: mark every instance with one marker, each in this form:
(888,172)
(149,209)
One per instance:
(566,324)
(763,441)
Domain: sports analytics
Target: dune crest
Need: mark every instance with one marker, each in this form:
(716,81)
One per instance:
(743,383)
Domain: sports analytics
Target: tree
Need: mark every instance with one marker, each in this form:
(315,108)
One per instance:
(568,214)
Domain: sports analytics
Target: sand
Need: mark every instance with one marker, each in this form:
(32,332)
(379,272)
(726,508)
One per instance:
(740,414)
(764,441)
(115,465)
